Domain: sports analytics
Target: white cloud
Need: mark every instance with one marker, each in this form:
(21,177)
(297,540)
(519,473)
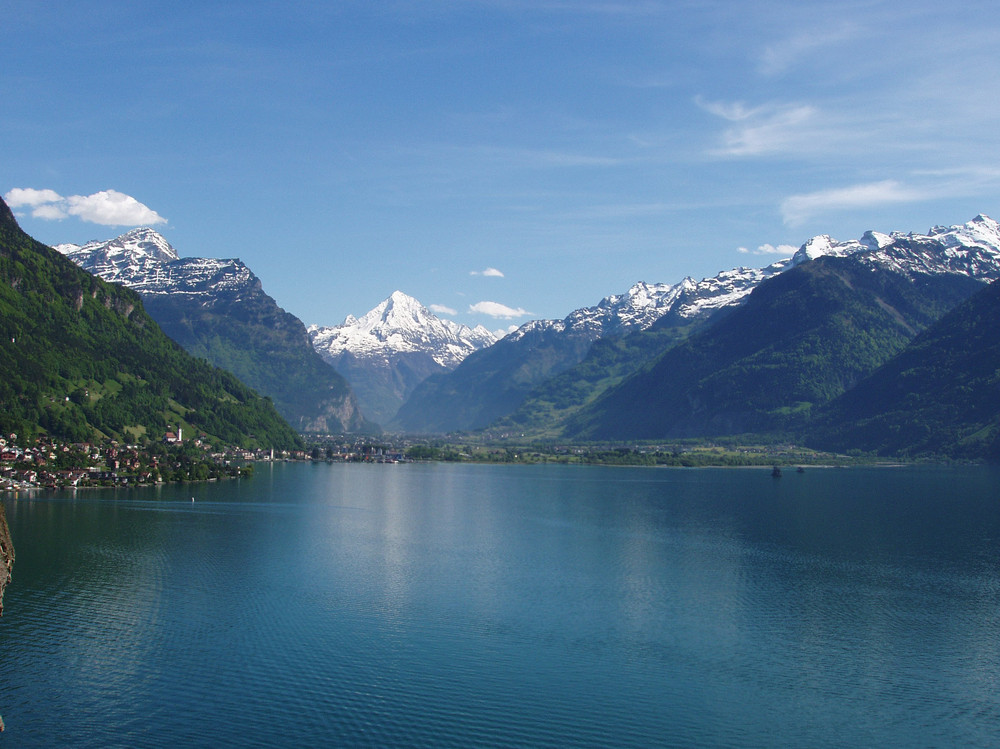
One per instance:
(50,212)
(501,332)
(733,111)
(112,208)
(799,208)
(107,207)
(22,196)
(495,309)
(488,272)
(769,249)
(801,129)
(440,309)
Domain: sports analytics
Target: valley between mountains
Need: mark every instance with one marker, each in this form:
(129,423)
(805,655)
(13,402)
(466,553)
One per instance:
(823,348)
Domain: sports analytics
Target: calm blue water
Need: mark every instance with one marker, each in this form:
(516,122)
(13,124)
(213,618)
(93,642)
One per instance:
(541,606)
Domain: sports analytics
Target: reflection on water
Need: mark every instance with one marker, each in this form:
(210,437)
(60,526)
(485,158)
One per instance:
(462,605)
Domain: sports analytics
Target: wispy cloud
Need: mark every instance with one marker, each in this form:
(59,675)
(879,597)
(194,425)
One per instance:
(797,209)
(107,207)
(497,310)
(734,111)
(778,58)
(765,129)
(769,249)
(492,272)
(440,309)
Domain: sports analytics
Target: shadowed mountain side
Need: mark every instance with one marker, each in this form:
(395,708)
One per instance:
(608,362)
(268,349)
(939,397)
(491,382)
(800,340)
(383,388)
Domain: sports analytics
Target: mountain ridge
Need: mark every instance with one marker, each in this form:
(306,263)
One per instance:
(800,340)
(217,309)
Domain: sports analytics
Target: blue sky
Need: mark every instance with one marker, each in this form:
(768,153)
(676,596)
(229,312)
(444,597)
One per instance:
(500,160)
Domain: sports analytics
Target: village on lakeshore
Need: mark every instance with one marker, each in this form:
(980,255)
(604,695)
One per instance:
(44,462)
(48,463)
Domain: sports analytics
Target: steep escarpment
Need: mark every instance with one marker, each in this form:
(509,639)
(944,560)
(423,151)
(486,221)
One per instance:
(6,555)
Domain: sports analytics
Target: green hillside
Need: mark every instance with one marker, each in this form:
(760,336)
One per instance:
(608,362)
(267,348)
(939,398)
(801,339)
(81,359)
(489,383)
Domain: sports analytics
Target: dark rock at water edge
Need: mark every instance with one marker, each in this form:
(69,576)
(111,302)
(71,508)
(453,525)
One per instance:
(6,555)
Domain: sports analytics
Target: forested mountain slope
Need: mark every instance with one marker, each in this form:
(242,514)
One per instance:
(940,397)
(800,340)
(80,359)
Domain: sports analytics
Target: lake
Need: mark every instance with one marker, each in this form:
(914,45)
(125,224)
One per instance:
(473,605)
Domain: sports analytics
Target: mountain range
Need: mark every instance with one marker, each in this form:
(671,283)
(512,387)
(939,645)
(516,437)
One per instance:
(217,309)
(496,382)
(572,379)
(800,340)
(80,359)
(821,347)
(394,347)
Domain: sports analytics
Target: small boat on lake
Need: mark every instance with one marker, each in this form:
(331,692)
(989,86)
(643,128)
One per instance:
(776,473)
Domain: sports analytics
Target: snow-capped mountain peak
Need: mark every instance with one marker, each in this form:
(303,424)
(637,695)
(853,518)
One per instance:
(133,247)
(818,246)
(876,240)
(398,313)
(143,260)
(400,324)
(972,248)
(982,230)
(392,348)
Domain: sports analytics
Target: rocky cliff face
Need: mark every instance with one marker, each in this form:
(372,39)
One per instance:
(6,555)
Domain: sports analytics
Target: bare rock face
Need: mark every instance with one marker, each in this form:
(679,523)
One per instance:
(6,555)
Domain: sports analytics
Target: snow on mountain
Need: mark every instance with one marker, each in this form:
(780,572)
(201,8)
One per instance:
(389,351)
(400,324)
(143,260)
(645,303)
(130,248)
(972,249)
